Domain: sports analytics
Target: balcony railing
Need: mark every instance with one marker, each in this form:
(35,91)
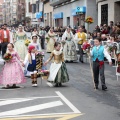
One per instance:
(56,2)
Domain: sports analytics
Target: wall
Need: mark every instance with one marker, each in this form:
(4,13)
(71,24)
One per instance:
(117,12)
(49,12)
(111,10)
(66,9)
(92,11)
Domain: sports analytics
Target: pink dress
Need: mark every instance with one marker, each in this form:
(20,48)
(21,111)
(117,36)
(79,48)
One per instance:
(12,72)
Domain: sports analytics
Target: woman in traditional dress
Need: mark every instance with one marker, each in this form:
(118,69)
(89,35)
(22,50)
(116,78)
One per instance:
(58,70)
(51,40)
(37,48)
(35,42)
(35,32)
(69,49)
(19,42)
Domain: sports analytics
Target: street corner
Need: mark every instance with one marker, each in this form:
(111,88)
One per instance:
(32,108)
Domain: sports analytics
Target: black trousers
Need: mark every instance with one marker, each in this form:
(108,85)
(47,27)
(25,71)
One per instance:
(80,52)
(4,47)
(96,71)
(42,42)
(0,47)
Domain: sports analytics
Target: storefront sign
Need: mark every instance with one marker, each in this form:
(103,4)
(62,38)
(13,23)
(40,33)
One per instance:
(80,10)
(39,15)
(58,15)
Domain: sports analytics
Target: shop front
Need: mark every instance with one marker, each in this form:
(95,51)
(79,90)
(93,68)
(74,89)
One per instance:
(58,19)
(78,16)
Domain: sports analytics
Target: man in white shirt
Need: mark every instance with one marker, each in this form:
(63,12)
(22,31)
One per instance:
(4,39)
(42,33)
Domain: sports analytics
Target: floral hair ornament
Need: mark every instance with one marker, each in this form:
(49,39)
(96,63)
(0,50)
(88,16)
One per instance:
(30,48)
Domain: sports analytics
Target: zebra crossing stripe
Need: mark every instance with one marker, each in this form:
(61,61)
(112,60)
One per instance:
(7,102)
(31,109)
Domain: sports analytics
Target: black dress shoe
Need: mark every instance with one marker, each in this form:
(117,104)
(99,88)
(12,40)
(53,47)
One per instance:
(104,87)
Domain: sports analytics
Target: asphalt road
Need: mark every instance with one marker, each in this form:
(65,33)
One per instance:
(75,100)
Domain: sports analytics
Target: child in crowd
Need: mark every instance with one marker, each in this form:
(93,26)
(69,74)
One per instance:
(34,63)
(12,72)
(58,71)
(98,53)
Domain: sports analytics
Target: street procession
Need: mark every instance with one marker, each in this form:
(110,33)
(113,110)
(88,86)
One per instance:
(57,69)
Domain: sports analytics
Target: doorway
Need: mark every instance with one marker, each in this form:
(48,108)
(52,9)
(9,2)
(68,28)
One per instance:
(68,21)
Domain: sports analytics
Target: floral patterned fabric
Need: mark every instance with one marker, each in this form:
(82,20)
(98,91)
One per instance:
(12,72)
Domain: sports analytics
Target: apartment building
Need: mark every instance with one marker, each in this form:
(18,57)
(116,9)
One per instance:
(73,12)
(108,10)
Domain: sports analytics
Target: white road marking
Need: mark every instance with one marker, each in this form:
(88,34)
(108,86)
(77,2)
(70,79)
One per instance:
(68,102)
(22,111)
(30,98)
(7,102)
(31,108)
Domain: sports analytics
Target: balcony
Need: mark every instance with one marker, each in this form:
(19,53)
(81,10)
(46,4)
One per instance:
(56,2)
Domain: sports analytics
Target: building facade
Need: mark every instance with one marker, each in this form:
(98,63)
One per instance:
(9,10)
(1,13)
(108,10)
(48,13)
(65,12)
(21,12)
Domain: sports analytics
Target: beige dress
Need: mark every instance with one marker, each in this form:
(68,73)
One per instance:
(51,42)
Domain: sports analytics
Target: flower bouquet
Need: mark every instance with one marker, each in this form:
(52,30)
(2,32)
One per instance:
(7,57)
(47,39)
(41,54)
(27,42)
(89,20)
(44,74)
(86,47)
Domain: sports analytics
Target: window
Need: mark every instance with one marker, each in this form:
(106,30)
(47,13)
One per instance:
(104,14)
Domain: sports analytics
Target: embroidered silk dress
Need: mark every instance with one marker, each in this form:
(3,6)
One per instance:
(12,72)
(58,71)
(51,41)
(20,46)
(69,49)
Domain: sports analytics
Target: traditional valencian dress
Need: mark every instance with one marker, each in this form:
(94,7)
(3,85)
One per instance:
(19,44)
(69,47)
(38,48)
(58,71)
(51,41)
(12,72)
